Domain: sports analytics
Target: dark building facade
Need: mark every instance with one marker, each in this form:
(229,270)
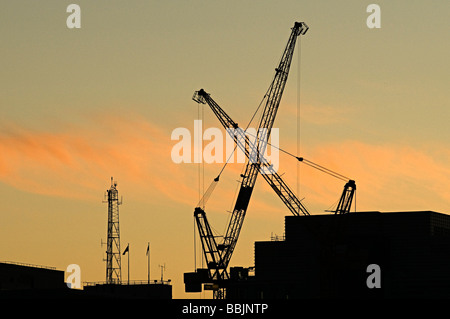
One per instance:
(161,290)
(17,276)
(18,281)
(407,254)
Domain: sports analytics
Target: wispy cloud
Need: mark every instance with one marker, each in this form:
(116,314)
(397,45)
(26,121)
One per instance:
(388,176)
(78,160)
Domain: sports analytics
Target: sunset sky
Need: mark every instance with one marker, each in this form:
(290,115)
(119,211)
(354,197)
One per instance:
(79,106)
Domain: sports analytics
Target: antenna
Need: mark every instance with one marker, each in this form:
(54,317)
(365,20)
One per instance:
(102,243)
(113,261)
(163,267)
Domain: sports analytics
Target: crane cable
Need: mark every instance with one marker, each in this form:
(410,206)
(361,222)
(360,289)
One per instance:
(323,169)
(298,113)
(213,184)
(309,163)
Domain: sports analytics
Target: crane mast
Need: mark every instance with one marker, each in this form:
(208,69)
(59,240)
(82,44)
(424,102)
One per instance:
(218,255)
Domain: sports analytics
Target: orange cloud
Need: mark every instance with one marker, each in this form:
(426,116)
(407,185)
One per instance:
(77,162)
(388,176)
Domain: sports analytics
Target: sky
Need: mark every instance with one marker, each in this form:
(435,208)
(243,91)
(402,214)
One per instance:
(79,106)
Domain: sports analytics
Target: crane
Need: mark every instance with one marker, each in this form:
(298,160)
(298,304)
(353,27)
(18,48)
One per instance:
(270,175)
(218,255)
(281,189)
(241,139)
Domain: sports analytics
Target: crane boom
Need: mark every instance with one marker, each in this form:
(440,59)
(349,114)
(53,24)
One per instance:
(271,176)
(273,95)
(241,139)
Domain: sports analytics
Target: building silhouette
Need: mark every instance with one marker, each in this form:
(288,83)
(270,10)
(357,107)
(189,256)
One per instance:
(20,276)
(132,290)
(19,280)
(327,256)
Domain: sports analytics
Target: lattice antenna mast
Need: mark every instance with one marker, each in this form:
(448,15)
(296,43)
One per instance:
(113,262)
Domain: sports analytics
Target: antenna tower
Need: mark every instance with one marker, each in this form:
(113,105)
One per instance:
(113,263)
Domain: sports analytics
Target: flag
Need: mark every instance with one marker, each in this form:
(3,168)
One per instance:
(126,249)
(148,249)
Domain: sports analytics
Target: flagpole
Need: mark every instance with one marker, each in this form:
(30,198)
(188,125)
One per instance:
(127,250)
(148,270)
